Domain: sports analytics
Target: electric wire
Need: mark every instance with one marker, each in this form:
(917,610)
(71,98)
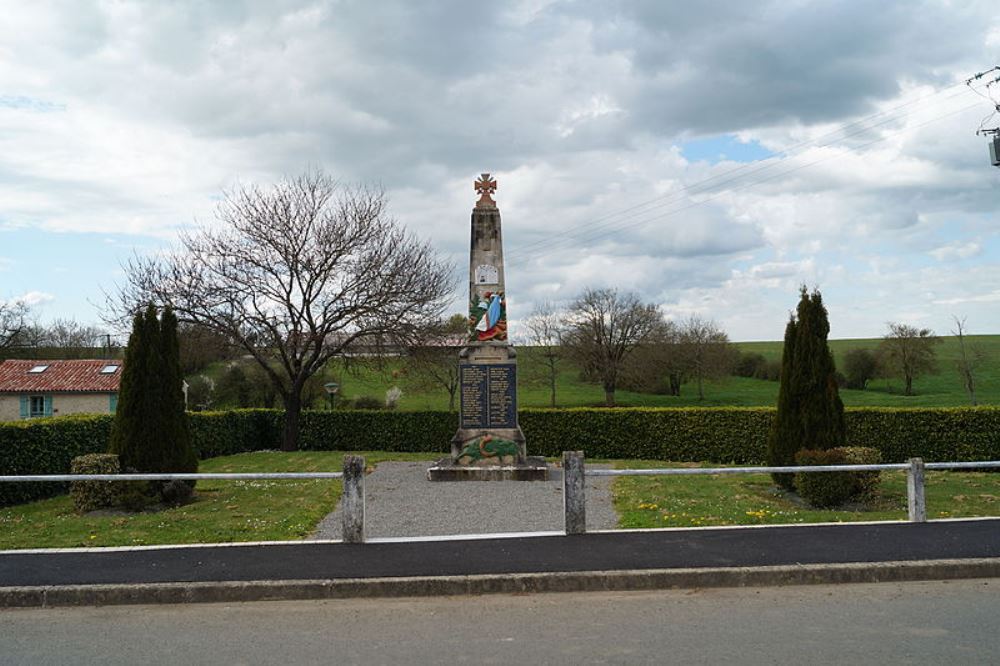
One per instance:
(751,168)
(529,257)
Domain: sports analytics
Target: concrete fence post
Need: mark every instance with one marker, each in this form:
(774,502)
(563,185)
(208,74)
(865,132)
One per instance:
(574,492)
(353,501)
(915,503)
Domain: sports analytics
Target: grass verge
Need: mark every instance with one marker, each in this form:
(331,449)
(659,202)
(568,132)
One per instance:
(223,511)
(752,499)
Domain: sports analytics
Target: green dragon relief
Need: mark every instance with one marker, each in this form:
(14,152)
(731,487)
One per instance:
(488,450)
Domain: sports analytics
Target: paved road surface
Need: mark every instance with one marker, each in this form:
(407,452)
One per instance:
(910,623)
(801,544)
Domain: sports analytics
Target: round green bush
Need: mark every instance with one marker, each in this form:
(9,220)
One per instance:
(824,489)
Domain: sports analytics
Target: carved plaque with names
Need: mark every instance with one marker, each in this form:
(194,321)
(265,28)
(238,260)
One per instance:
(488,395)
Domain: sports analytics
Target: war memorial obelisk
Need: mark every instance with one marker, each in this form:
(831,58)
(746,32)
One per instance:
(489,444)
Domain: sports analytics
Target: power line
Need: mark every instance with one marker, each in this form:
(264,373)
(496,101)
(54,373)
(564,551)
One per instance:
(750,168)
(678,196)
(526,258)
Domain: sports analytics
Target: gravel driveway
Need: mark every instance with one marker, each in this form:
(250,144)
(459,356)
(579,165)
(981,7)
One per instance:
(400,501)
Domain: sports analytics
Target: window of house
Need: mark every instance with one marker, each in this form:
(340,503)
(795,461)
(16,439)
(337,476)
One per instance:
(109,369)
(36,406)
(38,368)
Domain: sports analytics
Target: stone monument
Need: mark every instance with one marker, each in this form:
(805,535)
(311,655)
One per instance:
(489,444)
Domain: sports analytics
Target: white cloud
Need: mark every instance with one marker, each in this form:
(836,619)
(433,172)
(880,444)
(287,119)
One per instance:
(131,117)
(957,250)
(33,298)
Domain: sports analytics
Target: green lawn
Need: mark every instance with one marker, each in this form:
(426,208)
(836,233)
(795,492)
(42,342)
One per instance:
(752,499)
(223,511)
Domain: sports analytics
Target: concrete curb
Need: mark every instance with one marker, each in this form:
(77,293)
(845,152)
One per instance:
(422,586)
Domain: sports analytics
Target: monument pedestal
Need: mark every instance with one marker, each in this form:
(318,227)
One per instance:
(532,469)
(489,444)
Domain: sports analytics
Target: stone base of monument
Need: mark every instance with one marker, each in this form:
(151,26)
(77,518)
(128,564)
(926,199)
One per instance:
(532,469)
(489,455)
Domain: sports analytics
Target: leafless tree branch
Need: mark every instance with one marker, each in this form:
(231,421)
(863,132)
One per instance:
(295,274)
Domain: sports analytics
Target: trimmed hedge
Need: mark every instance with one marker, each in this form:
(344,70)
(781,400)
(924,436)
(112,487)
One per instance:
(47,446)
(828,489)
(236,431)
(824,489)
(711,434)
(91,495)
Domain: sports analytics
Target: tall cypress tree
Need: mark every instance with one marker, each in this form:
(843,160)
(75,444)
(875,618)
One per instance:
(127,429)
(150,431)
(784,437)
(178,454)
(810,412)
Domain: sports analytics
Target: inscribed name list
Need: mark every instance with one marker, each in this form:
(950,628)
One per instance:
(488,395)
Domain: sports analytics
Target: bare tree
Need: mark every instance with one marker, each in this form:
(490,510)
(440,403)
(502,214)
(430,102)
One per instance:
(546,327)
(200,347)
(706,351)
(971,357)
(433,361)
(13,319)
(72,338)
(295,274)
(658,364)
(909,351)
(604,327)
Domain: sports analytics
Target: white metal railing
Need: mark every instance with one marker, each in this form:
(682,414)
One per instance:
(234,476)
(574,471)
(352,502)
(682,471)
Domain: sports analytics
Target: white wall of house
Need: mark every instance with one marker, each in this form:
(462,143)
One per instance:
(62,404)
(10,407)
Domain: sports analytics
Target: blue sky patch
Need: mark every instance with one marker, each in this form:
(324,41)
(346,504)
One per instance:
(726,147)
(70,267)
(29,104)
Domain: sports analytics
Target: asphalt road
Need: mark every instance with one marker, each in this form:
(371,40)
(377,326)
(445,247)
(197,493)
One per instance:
(908,623)
(814,544)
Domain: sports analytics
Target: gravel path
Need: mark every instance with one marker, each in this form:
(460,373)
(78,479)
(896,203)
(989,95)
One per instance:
(400,501)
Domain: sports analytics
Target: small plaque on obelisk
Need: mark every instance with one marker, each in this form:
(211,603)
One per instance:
(489,444)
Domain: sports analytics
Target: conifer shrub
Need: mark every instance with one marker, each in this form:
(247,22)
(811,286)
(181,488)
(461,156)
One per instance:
(150,432)
(177,453)
(93,495)
(810,412)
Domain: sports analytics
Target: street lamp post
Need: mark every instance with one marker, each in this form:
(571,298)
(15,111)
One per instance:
(331,393)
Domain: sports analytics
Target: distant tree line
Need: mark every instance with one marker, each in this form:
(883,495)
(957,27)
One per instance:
(905,352)
(21,336)
(621,343)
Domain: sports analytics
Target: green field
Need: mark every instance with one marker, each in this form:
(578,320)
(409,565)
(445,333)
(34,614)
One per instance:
(943,389)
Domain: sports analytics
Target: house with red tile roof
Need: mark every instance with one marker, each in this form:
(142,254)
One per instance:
(31,389)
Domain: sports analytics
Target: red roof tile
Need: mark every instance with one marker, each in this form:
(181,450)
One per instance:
(61,376)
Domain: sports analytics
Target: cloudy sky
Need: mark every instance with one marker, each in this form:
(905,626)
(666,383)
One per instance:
(711,158)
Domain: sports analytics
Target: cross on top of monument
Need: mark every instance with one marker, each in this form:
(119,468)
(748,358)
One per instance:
(486,186)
